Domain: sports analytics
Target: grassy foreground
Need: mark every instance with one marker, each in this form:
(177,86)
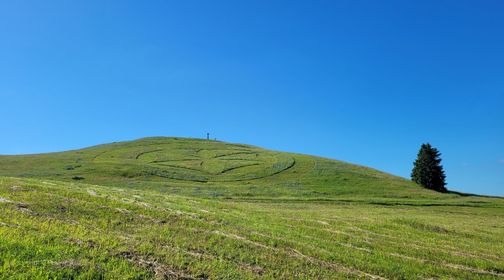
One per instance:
(269,216)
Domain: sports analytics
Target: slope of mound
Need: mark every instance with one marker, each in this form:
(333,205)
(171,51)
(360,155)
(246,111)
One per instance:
(57,230)
(211,168)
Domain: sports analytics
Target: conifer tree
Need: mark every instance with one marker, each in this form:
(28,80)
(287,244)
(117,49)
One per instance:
(427,169)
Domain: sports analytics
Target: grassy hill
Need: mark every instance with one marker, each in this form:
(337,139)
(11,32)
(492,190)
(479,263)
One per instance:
(174,208)
(214,169)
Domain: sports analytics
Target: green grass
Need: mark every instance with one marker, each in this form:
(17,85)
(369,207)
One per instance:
(214,169)
(194,209)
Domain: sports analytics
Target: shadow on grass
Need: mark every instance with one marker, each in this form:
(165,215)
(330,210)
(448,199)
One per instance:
(471,194)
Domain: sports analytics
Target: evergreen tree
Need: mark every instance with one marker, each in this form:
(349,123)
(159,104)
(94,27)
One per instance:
(427,169)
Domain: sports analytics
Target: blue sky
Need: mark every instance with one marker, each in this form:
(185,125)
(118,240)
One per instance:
(361,81)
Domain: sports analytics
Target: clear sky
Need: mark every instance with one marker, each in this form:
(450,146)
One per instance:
(362,81)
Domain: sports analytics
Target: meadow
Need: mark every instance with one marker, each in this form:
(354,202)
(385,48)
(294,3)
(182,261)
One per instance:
(175,208)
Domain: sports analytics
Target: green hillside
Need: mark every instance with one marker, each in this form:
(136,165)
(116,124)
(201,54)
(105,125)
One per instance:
(213,169)
(174,208)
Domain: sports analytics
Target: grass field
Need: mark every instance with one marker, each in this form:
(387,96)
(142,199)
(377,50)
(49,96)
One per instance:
(192,209)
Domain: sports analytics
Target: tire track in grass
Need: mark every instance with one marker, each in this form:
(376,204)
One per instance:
(450,265)
(237,167)
(348,245)
(424,261)
(237,153)
(419,246)
(261,177)
(450,249)
(445,264)
(420,260)
(147,152)
(5,200)
(182,159)
(338,267)
(295,253)
(159,270)
(256,269)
